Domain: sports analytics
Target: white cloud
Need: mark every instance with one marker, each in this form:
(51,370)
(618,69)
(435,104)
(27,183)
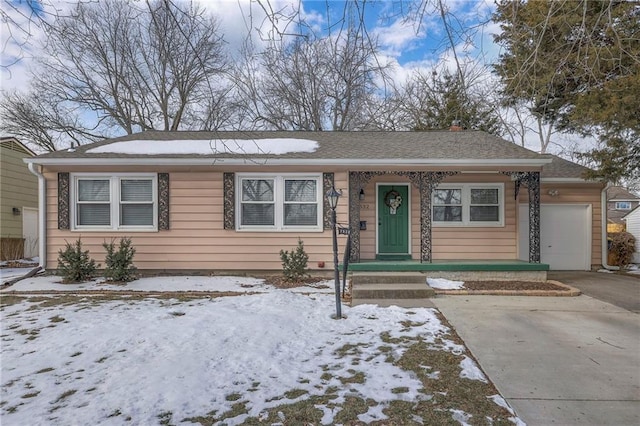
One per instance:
(399,37)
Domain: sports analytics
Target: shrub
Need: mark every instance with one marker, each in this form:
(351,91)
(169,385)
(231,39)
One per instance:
(294,263)
(74,264)
(622,247)
(119,263)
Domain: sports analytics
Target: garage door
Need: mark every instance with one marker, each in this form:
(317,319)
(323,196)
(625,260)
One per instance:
(565,241)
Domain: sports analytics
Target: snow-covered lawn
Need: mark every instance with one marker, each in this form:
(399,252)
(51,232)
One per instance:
(275,357)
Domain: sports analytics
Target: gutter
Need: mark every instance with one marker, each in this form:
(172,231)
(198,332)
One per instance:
(208,161)
(603,209)
(42,215)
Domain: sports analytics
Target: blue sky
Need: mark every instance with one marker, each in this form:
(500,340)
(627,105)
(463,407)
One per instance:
(410,32)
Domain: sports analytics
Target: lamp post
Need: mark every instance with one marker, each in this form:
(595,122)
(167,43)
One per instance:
(332,197)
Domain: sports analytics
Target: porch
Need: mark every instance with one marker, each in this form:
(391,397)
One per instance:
(470,270)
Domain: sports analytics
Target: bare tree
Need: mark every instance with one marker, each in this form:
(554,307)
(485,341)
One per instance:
(44,123)
(309,83)
(137,67)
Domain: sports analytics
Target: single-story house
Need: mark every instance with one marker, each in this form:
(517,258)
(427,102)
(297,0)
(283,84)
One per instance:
(620,201)
(18,201)
(230,201)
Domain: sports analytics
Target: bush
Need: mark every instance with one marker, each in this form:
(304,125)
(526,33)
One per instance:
(622,247)
(294,264)
(119,263)
(75,265)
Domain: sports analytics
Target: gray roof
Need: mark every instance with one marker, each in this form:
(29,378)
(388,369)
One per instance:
(388,148)
(620,193)
(563,169)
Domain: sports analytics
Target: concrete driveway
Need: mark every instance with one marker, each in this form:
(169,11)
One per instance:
(557,360)
(619,290)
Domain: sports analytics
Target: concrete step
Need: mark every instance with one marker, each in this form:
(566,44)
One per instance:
(391,291)
(403,303)
(388,278)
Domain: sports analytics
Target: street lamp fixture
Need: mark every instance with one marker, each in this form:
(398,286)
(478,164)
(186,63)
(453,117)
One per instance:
(332,198)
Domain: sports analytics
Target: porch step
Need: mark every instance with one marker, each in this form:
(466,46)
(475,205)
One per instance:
(392,291)
(403,303)
(388,278)
(389,286)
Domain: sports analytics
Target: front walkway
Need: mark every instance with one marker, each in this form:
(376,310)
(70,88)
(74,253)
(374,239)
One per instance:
(556,360)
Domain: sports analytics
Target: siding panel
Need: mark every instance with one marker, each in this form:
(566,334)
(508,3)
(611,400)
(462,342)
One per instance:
(197,239)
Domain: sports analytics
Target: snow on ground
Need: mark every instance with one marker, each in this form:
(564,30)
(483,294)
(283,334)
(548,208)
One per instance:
(164,283)
(82,363)
(9,273)
(444,284)
(275,146)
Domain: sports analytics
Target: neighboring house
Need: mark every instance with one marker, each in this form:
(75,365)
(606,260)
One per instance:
(230,201)
(19,202)
(620,202)
(632,220)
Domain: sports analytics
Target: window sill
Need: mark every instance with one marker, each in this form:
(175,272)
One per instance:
(467,224)
(276,230)
(123,230)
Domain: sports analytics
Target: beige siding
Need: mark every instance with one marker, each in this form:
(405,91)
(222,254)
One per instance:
(448,242)
(576,193)
(197,239)
(18,188)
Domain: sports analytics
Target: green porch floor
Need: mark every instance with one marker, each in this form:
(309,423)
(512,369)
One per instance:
(445,265)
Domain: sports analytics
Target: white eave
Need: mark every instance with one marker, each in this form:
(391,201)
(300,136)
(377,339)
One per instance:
(164,161)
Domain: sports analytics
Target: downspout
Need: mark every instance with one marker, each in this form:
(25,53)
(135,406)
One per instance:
(605,249)
(42,215)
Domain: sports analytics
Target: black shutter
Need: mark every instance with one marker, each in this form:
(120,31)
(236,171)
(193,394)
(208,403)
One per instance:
(163,201)
(327,184)
(229,188)
(63,201)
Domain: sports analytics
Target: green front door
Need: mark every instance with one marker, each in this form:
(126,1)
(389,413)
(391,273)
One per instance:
(393,222)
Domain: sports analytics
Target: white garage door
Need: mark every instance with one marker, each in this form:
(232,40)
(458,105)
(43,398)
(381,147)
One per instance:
(565,241)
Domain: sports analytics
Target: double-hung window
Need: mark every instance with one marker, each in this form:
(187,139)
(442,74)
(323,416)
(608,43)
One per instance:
(126,202)
(468,205)
(279,202)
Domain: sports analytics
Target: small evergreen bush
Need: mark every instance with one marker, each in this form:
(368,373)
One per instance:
(74,264)
(119,263)
(294,263)
(622,248)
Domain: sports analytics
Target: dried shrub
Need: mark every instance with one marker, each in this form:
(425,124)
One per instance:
(623,245)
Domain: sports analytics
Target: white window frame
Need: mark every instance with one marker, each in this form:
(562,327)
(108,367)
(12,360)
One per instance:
(114,201)
(466,205)
(279,202)
(619,205)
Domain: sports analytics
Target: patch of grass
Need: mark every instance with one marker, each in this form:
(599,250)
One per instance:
(30,395)
(116,413)
(165,418)
(101,360)
(56,318)
(233,397)
(326,377)
(64,396)
(295,393)
(357,377)
(299,413)
(76,354)
(210,419)
(45,370)
(402,389)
